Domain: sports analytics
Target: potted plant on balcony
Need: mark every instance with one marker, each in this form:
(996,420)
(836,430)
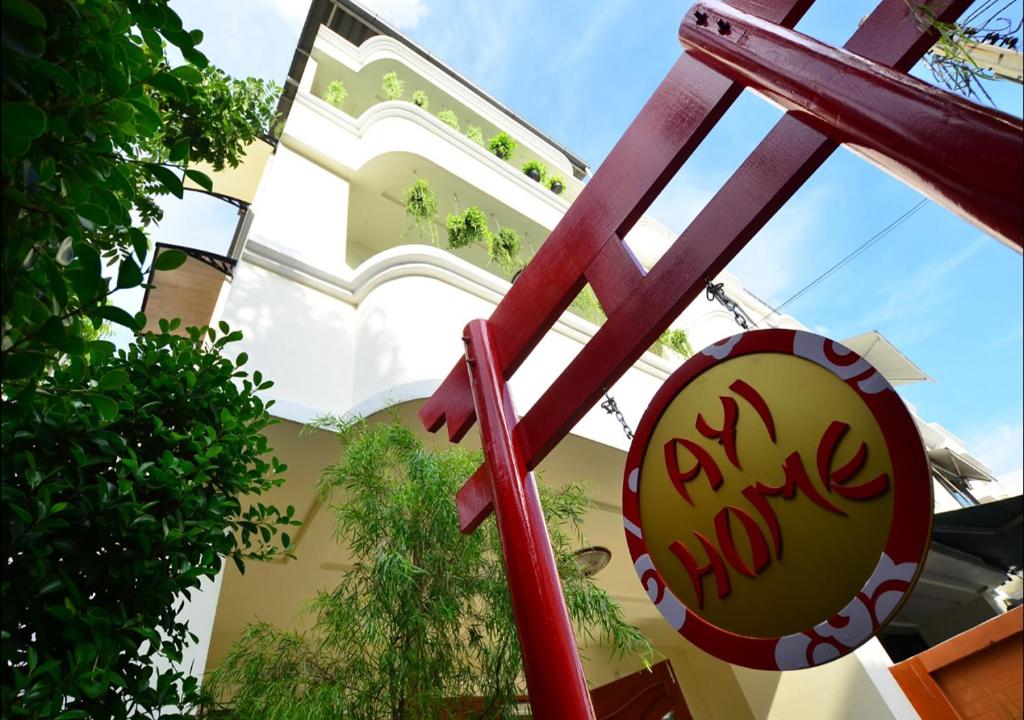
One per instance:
(475,134)
(535,170)
(449,119)
(467,228)
(421,209)
(392,87)
(336,94)
(556,183)
(504,248)
(502,145)
(420,99)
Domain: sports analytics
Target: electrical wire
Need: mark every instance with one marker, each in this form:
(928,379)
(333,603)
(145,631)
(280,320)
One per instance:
(849,258)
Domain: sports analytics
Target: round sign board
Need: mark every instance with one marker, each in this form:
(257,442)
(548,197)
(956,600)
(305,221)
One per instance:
(777,500)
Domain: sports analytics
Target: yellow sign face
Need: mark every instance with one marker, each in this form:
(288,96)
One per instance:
(761,494)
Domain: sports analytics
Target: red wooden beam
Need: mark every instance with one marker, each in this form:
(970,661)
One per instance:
(551,662)
(919,133)
(775,170)
(680,113)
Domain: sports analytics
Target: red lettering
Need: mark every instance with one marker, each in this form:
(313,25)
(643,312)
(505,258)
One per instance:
(704,462)
(757,402)
(697,572)
(758,546)
(726,436)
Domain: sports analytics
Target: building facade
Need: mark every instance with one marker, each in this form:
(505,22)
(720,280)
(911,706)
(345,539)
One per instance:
(352,310)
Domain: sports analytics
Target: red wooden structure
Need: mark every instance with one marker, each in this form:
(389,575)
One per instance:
(965,157)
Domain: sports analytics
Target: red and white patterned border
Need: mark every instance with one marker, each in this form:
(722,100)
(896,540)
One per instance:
(900,563)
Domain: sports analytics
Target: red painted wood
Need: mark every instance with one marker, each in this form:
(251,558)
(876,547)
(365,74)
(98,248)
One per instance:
(551,661)
(614,274)
(915,131)
(775,170)
(474,500)
(680,113)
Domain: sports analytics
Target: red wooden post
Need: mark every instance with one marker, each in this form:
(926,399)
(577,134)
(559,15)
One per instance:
(551,661)
(897,121)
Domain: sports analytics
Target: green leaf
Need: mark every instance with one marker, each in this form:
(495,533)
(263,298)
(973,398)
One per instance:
(23,120)
(169,260)
(180,149)
(113,379)
(195,57)
(116,315)
(167,178)
(147,120)
(128,274)
(106,407)
(201,179)
(188,74)
(93,213)
(169,84)
(26,12)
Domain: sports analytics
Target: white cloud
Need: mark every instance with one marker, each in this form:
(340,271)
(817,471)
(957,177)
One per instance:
(403,14)
(293,12)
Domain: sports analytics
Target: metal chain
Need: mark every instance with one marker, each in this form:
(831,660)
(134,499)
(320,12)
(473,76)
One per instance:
(611,407)
(715,292)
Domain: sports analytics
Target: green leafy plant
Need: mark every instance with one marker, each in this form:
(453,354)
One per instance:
(422,620)
(420,99)
(556,184)
(392,87)
(587,306)
(502,145)
(122,484)
(421,209)
(475,134)
(504,248)
(467,228)
(675,340)
(97,126)
(108,513)
(449,119)
(336,94)
(536,170)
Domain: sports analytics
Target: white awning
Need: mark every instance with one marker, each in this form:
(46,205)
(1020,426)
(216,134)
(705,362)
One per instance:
(883,355)
(960,463)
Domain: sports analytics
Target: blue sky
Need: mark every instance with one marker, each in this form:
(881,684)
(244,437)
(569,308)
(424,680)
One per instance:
(948,296)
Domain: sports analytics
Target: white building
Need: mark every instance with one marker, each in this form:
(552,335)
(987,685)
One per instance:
(351,313)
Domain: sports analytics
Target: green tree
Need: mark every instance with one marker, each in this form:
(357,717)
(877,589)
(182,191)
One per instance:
(119,495)
(121,492)
(423,618)
(97,124)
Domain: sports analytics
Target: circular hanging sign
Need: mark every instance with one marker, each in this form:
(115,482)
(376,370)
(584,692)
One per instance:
(777,500)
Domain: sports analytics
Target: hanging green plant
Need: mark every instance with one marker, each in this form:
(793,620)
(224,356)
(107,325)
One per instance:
(556,183)
(421,209)
(536,171)
(392,87)
(468,227)
(475,134)
(420,99)
(502,145)
(504,248)
(675,340)
(449,119)
(335,94)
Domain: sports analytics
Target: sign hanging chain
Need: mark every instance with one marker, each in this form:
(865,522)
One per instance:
(612,408)
(715,292)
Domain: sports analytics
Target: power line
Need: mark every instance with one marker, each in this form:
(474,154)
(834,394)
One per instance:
(842,263)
